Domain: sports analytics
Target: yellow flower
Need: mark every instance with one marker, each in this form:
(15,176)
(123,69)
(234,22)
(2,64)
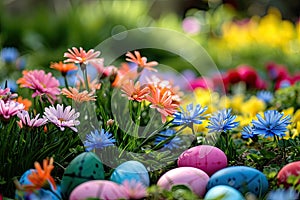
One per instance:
(201,128)
(253,106)
(267,31)
(296,117)
(237,103)
(244,120)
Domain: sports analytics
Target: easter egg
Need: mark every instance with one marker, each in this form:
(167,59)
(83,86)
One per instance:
(40,193)
(101,189)
(84,167)
(245,179)
(223,192)
(289,169)
(131,170)
(205,157)
(195,179)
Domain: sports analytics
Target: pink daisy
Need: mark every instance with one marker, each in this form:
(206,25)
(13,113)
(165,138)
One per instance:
(4,91)
(62,117)
(81,56)
(134,91)
(6,95)
(26,121)
(10,108)
(42,84)
(134,189)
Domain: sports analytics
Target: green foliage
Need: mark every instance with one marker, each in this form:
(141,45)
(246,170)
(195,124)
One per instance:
(288,97)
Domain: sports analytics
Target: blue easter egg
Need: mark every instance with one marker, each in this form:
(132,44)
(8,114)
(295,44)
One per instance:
(41,193)
(131,170)
(245,179)
(223,192)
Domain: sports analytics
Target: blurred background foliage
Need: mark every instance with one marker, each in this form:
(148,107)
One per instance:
(233,32)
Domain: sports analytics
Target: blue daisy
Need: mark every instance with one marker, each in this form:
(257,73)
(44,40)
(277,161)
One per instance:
(98,140)
(273,124)
(222,121)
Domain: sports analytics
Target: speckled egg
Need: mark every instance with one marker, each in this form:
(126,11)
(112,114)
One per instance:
(205,157)
(131,170)
(101,189)
(223,192)
(41,193)
(193,178)
(289,169)
(245,179)
(85,167)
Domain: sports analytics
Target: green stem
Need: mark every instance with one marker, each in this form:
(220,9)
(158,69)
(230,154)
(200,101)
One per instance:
(137,120)
(66,82)
(84,70)
(153,134)
(169,138)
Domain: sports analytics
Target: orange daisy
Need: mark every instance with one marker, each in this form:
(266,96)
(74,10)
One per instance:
(134,91)
(26,102)
(161,100)
(22,80)
(77,96)
(141,61)
(41,177)
(123,74)
(63,68)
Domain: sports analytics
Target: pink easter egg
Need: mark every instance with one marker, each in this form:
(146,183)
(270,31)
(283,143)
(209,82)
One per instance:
(288,170)
(205,157)
(101,189)
(193,178)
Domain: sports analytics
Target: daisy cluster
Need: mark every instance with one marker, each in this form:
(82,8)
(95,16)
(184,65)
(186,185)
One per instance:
(129,109)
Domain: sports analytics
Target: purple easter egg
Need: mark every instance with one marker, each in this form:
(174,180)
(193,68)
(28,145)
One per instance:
(101,189)
(193,178)
(205,157)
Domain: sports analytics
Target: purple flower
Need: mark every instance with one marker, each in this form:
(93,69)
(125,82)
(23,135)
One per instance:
(62,117)
(34,122)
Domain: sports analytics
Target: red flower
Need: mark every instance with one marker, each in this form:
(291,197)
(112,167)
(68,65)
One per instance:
(247,74)
(202,82)
(276,71)
(260,84)
(286,82)
(233,76)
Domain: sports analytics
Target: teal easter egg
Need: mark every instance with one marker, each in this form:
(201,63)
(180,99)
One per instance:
(245,179)
(223,192)
(54,194)
(131,171)
(99,189)
(85,167)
